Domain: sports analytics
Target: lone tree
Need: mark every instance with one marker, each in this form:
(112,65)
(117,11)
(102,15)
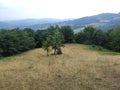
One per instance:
(55,41)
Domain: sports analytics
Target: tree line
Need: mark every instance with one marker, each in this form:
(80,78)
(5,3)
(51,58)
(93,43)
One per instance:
(17,40)
(92,36)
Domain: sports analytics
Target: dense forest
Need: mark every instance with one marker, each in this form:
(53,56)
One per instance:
(17,40)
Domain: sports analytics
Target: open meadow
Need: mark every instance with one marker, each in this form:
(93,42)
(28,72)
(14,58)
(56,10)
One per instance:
(78,68)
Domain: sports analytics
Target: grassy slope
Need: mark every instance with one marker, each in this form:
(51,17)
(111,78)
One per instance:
(77,69)
(102,50)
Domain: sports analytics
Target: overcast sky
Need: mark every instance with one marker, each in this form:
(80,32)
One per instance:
(62,9)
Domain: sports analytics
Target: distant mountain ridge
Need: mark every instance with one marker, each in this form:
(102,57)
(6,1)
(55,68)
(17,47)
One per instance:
(103,21)
(26,22)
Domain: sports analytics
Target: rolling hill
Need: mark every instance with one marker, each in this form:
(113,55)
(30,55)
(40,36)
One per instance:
(78,68)
(104,21)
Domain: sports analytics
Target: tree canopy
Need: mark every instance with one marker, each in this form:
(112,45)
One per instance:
(55,41)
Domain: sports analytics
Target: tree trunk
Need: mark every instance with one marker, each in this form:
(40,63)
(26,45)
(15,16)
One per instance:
(47,53)
(55,51)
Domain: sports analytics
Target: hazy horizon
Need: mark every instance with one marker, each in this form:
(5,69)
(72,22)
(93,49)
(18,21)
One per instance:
(58,9)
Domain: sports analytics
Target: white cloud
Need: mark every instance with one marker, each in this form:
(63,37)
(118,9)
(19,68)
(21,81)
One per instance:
(57,8)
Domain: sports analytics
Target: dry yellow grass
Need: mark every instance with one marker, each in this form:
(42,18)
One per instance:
(77,69)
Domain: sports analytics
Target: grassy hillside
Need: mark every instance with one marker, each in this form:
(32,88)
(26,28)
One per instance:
(77,69)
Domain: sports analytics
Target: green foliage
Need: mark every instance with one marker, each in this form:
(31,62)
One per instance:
(67,33)
(86,36)
(102,50)
(55,41)
(15,41)
(92,36)
(46,44)
(40,37)
(30,32)
(100,38)
(80,37)
(114,37)
(59,51)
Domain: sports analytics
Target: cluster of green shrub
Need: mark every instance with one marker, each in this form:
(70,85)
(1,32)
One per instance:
(17,40)
(92,36)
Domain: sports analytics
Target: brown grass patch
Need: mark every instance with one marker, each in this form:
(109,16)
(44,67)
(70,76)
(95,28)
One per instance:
(77,69)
